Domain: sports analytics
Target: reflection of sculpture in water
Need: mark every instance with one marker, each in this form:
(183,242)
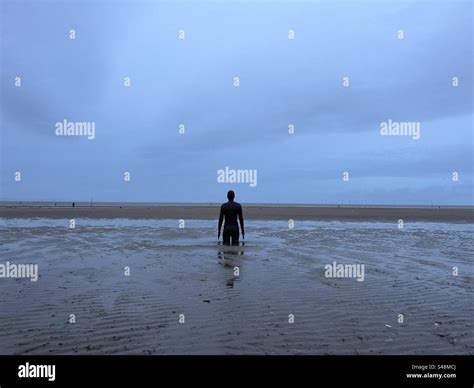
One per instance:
(226,257)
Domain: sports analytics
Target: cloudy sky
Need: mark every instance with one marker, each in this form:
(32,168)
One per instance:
(47,77)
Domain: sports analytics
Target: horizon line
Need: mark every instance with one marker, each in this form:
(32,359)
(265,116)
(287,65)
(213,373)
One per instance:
(269,204)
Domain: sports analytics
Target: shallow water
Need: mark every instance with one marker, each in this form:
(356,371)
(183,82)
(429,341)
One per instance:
(281,273)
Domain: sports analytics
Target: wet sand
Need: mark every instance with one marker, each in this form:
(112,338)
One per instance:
(446,214)
(281,272)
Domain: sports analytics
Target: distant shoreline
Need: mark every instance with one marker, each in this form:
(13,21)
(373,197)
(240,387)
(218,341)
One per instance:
(260,212)
(55,204)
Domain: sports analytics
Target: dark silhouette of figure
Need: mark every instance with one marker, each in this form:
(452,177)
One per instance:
(73,204)
(231,211)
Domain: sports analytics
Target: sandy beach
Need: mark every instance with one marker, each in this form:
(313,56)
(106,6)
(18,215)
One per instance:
(203,212)
(187,295)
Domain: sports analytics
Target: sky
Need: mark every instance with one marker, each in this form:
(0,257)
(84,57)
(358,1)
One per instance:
(71,60)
